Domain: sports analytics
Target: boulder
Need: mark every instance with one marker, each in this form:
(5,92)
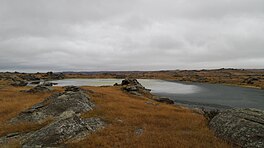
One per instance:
(243,127)
(72,88)
(116,84)
(164,100)
(54,76)
(132,86)
(19,83)
(131,82)
(39,89)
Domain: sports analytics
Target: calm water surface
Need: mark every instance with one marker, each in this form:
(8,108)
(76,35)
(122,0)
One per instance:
(190,94)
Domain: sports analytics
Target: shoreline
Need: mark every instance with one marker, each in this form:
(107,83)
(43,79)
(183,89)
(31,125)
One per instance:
(173,80)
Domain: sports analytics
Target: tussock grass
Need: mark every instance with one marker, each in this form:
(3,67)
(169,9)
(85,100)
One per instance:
(163,125)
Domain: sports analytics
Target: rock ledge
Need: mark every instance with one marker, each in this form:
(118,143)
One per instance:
(244,127)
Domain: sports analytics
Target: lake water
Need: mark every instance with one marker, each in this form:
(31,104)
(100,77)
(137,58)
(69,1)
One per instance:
(189,94)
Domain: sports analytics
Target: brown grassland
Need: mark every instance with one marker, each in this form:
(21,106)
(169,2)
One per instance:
(12,102)
(131,121)
(163,125)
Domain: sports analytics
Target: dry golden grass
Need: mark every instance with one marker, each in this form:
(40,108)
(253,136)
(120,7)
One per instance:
(12,102)
(163,125)
(22,127)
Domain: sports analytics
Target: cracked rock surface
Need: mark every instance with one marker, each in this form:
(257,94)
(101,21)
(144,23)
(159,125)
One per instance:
(61,131)
(76,101)
(65,109)
(244,127)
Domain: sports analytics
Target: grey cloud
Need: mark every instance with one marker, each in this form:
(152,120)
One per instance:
(40,35)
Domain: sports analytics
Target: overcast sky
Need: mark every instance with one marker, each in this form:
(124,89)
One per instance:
(98,35)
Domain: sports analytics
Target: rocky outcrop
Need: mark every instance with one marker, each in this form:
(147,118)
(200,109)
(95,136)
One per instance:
(49,83)
(244,127)
(19,83)
(133,82)
(55,105)
(132,86)
(209,114)
(72,88)
(22,79)
(54,76)
(164,100)
(29,77)
(67,126)
(39,89)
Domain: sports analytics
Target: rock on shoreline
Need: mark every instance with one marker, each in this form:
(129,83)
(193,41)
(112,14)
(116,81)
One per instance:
(243,127)
(132,86)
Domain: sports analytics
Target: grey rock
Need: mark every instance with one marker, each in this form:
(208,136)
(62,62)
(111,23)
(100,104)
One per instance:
(47,83)
(58,133)
(72,88)
(164,100)
(29,77)
(19,83)
(135,93)
(139,131)
(12,134)
(132,86)
(55,105)
(132,82)
(5,139)
(210,113)
(39,89)
(35,82)
(244,127)
(66,125)
(129,82)
(54,76)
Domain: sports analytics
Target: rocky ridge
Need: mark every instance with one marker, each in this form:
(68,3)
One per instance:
(65,109)
(22,79)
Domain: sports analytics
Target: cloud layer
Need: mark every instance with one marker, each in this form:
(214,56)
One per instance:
(61,35)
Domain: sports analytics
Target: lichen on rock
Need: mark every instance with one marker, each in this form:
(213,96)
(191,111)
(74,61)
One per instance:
(243,127)
(65,109)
